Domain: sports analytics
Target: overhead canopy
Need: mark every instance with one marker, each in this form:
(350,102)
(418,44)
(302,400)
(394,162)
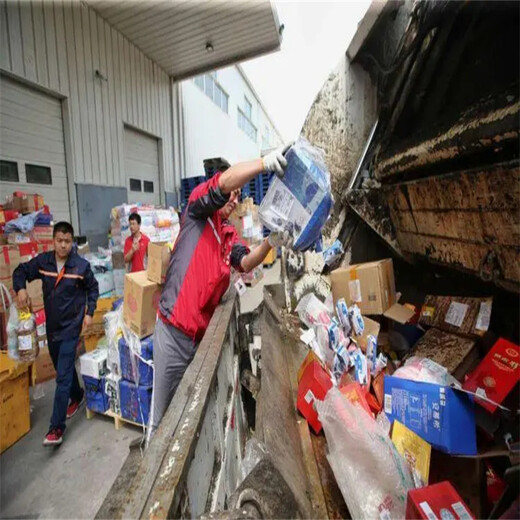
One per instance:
(188,37)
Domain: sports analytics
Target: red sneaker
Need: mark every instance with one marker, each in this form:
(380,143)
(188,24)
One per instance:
(54,437)
(74,406)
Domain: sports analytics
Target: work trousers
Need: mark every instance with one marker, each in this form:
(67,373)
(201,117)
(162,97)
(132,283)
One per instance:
(173,351)
(63,355)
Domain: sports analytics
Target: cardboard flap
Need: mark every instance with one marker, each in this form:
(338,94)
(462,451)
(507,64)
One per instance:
(399,313)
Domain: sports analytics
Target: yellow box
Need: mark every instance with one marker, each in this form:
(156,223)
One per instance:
(271,257)
(92,341)
(15,419)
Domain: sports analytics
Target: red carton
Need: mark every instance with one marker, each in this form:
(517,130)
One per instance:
(314,384)
(355,394)
(497,373)
(436,501)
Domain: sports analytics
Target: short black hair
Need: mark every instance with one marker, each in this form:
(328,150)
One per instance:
(136,217)
(63,227)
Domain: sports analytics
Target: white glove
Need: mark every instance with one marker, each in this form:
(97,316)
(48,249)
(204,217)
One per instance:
(275,162)
(281,239)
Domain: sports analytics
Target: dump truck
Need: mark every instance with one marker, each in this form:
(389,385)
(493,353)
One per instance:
(419,123)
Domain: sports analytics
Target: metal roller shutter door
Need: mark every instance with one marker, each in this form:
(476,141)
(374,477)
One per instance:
(142,167)
(31,133)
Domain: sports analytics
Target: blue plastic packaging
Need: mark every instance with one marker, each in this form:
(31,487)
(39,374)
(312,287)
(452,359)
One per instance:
(144,375)
(331,254)
(439,414)
(301,201)
(97,399)
(135,401)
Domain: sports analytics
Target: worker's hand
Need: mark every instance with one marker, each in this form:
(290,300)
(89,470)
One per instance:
(87,322)
(281,239)
(275,162)
(22,299)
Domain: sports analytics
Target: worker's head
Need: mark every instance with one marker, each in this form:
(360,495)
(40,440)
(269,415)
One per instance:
(63,236)
(134,221)
(231,204)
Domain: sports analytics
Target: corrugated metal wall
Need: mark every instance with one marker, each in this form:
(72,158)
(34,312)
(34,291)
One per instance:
(59,46)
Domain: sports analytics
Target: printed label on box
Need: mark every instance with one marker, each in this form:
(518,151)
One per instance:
(354,287)
(456,314)
(484,316)
(309,397)
(428,511)
(283,201)
(388,403)
(461,511)
(240,286)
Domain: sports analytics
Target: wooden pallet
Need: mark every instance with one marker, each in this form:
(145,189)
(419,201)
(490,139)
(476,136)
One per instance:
(118,420)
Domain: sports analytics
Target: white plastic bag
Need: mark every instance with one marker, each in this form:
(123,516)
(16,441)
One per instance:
(373,477)
(426,371)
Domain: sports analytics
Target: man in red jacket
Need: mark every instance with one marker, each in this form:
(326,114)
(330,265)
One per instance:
(199,272)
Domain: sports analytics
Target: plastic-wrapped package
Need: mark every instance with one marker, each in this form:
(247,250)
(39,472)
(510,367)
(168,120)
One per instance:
(356,319)
(373,477)
(311,311)
(426,371)
(22,224)
(301,201)
(26,333)
(331,254)
(12,338)
(343,316)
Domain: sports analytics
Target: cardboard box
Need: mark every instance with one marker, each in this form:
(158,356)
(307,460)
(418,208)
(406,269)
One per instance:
(25,202)
(91,341)
(356,395)
(497,374)
(436,501)
(371,329)
(440,415)
(94,364)
(158,260)
(457,354)
(118,260)
(314,384)
(309,358)
(15,420)
(466,316)
(416,452)
(35,292)
(140,303)
(42,234)
(270,258)
(43,364)
(371,286)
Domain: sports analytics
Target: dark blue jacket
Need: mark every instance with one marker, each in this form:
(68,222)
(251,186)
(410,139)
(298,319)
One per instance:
(65,302)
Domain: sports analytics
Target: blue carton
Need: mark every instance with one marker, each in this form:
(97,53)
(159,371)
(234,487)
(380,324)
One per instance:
(97,399)
(135,401)
(144,375)
(301,201)
(439,414)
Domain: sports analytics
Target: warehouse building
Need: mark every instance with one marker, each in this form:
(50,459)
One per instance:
(90,106)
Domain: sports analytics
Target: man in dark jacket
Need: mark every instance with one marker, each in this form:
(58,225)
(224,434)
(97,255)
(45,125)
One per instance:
(70,293)
(199,273)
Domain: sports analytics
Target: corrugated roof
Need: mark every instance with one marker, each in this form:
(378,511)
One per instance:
(176,33)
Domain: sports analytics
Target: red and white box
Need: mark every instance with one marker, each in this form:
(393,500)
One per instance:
(435,502)
(497,374)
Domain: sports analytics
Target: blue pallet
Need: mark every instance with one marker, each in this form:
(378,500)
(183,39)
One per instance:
(97,399)
(144,371)
(135,401)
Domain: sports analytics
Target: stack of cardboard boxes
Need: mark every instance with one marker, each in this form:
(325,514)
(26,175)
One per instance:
(16,248)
